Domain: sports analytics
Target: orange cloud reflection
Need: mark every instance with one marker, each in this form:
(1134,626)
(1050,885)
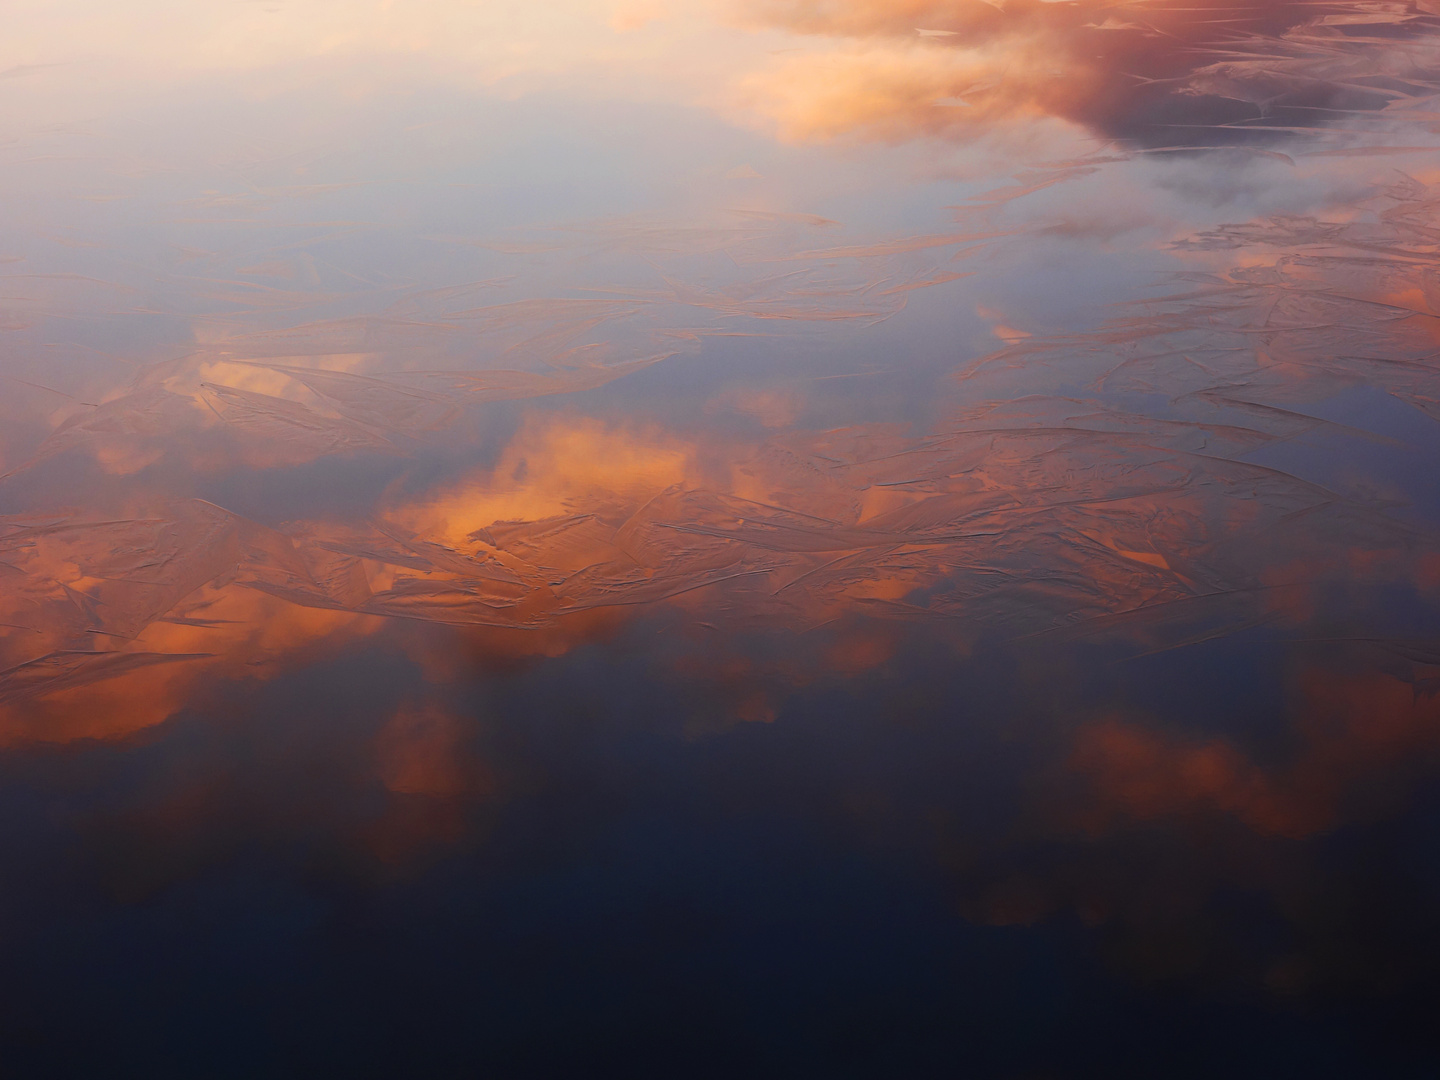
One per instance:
(1163,74)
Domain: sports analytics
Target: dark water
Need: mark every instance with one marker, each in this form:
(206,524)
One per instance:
(751,538)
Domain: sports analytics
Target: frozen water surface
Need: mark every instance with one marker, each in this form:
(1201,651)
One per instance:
(720,537)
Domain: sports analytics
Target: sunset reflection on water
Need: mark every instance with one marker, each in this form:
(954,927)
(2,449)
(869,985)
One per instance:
(695,537)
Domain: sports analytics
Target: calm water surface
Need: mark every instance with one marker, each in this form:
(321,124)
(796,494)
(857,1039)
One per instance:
(714,538)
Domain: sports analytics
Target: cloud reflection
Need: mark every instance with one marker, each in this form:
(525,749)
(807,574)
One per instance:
(1027,514)
(1159,74)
